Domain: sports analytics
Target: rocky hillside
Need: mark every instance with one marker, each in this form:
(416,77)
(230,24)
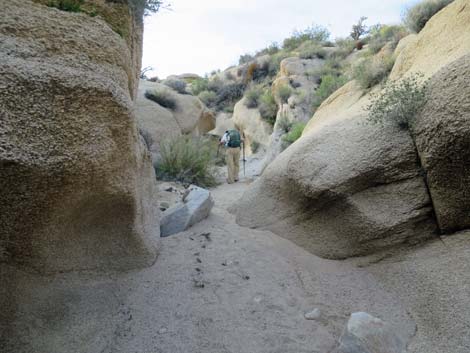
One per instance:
(348,187)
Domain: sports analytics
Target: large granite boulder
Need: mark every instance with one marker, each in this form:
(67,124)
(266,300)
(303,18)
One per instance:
(76,183)
(343,190)
(442,133)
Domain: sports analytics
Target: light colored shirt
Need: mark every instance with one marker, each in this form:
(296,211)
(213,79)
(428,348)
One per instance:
(225,139)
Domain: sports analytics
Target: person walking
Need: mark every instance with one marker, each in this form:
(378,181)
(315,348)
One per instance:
(232,141)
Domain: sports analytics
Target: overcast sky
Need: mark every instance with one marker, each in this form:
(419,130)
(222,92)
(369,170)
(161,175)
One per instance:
(199,36)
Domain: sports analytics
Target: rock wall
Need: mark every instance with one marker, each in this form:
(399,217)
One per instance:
(350,188)
(76,183)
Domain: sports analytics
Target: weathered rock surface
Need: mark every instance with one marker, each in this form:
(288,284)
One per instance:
(344,190)
(195,207)
(76,184)
(252,126)
(442,133)
(444,39)
(223,123)
(367,334)
(191,116)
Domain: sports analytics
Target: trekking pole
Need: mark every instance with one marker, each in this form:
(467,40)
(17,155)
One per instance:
(244,159)
(218,148)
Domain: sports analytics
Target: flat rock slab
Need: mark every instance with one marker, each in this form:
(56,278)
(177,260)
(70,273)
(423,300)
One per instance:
(365,333)
(195,207)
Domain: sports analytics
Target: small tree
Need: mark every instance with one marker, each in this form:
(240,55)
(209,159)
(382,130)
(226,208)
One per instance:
(359,29)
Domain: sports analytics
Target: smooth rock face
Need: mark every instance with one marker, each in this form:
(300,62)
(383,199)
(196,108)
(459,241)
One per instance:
(196,207)
(442,133)
(76,183)
(367,334)
(444,39)
(343,190)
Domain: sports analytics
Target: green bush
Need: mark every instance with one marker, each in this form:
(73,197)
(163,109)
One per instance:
(245,59)
(255,145)
(311,50)
(267,107)
(371,71)
(177,85)
(294,133)
(199,85)
(399,102)
(284,92)
(252,97)
(344,47)
(275,62)
(187,160)
(331,67)
(314,33)
(229,94)
(383,34)
(162,97)
(67,5)
(417,16)
(329,84)
(272,49)
(209,98)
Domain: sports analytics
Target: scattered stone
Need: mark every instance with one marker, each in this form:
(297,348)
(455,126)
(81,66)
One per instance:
(163,330)
(198,260)
(199,284)
(164,205)
(196,207)
(365,333)
(170,189)
(207,236)
(315,314)
(246,277)
(198,269)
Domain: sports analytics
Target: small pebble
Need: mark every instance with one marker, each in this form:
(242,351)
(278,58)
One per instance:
(313,315)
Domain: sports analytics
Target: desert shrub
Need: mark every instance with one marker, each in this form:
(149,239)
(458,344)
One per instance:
(244,59)
(229,76)
(177,85)
(162,97)
(199,85)
(215,84)
(284,92)
(383,34)
(275,62)
(345,46)
(252,97)
(267,107)
(331,67)
(272,49)
(314,33)
(67,5)
(229,94)
(209,98)
(187,160)
(294,133)
(284,124)
(399,102)
(329,84)
(311,50)
(255,145)
(417,16)
(370,71)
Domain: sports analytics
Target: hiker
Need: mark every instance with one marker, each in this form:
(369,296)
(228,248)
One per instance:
(232,141)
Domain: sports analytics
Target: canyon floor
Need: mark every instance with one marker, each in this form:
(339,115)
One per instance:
(220,288)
